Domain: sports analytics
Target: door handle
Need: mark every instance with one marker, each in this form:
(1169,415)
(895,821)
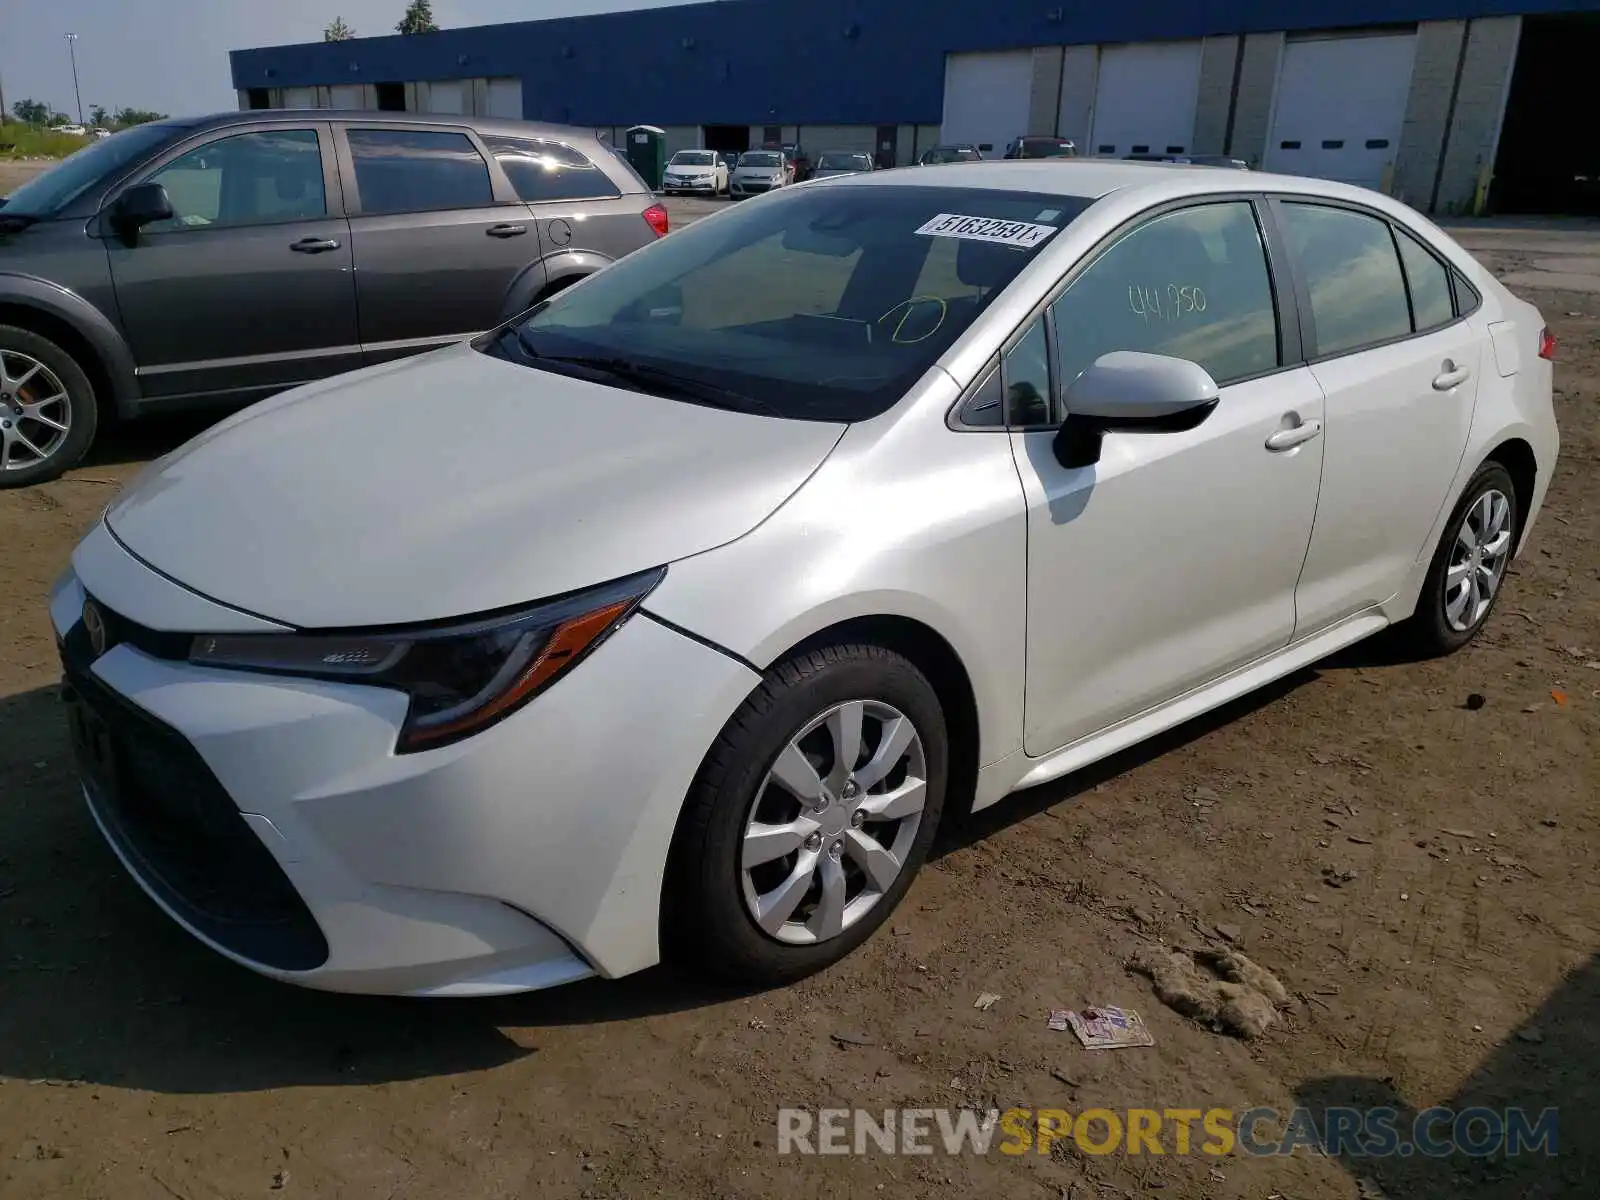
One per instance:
(505,231)
(1288,439)
(314,245)
(1452,376)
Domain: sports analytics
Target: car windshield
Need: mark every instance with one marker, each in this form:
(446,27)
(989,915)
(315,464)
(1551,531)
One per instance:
(1046,149)
(693,158)
(58,187)
(761,158)
(814,304)
(843,162)
(946,154)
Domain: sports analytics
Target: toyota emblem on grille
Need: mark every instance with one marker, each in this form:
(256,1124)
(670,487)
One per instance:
(94,621)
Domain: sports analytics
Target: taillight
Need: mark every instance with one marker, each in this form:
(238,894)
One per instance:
(656,217)
(1547,345)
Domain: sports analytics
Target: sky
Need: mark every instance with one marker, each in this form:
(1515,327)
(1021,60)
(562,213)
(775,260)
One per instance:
(172,55)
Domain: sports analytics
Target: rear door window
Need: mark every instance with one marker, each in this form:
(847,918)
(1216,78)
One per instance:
(1353,275)
(418,170)
(542,170)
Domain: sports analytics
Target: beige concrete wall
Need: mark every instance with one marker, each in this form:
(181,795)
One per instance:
(1258,80)
(1480,107)
(1044,89)
(1080,75)
(817,139)
(1218,58)
(681,137)
(1433,75)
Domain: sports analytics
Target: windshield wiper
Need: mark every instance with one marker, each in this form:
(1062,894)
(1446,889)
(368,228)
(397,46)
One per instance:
(658,381)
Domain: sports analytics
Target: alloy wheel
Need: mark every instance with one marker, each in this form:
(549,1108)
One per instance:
(1478,559)
(35,411)
(833,822)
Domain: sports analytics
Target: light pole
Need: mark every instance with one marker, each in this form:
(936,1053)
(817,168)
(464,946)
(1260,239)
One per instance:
(72,51)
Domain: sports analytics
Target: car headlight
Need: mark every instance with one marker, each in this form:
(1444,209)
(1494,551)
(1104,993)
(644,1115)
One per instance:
(463,676)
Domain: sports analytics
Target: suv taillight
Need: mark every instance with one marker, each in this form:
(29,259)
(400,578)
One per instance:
(656,217)
(1547,345)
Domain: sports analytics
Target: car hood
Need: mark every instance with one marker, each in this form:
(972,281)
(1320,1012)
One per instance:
(453,484)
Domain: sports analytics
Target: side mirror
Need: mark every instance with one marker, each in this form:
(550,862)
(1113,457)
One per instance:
(141,205)
(1126,391)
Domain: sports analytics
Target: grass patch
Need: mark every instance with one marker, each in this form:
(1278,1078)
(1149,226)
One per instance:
(29,141)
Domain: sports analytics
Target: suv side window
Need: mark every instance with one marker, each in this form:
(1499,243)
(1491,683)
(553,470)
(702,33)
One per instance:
(544,170)
(1429,283)
(246,179)
(1352,272)
(418,170)
(1192,284)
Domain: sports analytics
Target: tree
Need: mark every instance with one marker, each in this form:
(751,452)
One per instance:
(58,118)
(338,31)
(136,116)
(418,18)
(98,116)
(31,112)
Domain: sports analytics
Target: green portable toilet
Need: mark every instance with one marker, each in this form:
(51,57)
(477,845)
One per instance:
(647,151)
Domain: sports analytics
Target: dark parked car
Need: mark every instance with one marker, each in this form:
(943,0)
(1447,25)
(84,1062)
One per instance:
(935,155)
(1042,146)
(229,257)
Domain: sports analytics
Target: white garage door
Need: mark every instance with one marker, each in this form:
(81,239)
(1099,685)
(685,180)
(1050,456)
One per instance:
(986,98)
(348,95)
(299,97)
(505,99)
(1340,105)
(446,96)
(1145,99)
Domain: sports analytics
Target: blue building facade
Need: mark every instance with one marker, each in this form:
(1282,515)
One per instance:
(810,62)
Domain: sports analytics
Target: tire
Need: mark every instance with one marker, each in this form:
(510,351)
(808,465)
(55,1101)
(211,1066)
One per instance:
(707,911)
(57,373)
(1443,622)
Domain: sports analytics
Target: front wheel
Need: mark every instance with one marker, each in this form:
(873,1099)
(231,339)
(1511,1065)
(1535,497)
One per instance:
(810,816)
(1469,565)
(47,409)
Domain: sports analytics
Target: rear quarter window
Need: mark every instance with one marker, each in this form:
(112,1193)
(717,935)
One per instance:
(543,170)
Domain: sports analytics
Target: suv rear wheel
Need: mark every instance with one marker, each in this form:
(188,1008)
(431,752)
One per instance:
(47,409)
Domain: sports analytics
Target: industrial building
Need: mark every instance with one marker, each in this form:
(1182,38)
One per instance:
(1452,105)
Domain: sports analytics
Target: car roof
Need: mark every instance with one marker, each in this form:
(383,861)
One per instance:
(369,117)
(1092,178)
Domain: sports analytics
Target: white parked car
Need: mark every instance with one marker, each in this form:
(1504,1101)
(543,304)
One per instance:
(70,130)
(712,603)
(760,171)
(695,172)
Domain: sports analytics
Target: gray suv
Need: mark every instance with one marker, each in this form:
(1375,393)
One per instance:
(229,257)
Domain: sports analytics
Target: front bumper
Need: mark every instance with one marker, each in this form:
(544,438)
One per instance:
(530,855)
(751,187)
(703,184)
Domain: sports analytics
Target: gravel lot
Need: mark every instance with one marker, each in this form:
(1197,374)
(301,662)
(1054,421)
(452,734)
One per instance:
(1456,965)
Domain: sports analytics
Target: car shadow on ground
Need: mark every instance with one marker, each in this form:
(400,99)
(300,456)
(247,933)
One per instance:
(98,986)
(1550,1061)
(125,443)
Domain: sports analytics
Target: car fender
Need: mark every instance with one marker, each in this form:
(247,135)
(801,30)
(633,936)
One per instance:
(559,268)
(104,339)
(904,520)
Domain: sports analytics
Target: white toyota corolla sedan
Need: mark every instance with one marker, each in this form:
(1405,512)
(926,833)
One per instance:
(674,616)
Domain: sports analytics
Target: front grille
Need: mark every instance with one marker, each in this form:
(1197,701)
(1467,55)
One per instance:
(177,826)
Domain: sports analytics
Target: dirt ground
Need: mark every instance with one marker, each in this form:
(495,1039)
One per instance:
(1455,965)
